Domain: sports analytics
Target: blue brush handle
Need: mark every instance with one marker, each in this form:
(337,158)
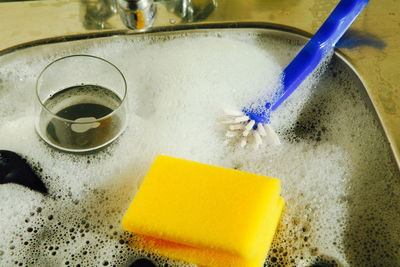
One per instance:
(315,50)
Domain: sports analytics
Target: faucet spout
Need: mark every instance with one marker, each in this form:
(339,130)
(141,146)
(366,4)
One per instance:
(137,14)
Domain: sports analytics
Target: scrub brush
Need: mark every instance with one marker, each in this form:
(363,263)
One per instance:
(254,120)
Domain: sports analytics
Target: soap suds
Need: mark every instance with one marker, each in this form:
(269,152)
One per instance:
(340,182)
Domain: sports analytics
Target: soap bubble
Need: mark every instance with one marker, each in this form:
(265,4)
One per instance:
(339,179)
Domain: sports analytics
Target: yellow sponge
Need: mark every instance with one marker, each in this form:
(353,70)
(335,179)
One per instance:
(203,214)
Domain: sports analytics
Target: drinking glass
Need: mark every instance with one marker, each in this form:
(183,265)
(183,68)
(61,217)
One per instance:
(80,103)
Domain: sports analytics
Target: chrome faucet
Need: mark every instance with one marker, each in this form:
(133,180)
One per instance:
(140,14)
(137,14)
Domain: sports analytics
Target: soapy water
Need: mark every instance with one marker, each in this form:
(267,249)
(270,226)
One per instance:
(339,179)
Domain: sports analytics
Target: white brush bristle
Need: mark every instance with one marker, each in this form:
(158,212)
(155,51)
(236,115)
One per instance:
(240,125)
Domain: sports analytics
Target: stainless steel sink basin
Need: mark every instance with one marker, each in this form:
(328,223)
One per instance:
(370,57)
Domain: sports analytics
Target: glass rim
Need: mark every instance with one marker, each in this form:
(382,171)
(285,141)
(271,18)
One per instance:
(73,121)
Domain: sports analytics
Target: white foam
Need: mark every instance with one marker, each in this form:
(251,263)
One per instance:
(338,176)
